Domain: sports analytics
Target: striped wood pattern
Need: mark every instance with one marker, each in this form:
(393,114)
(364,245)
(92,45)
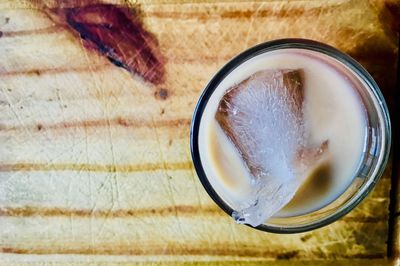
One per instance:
(95,163)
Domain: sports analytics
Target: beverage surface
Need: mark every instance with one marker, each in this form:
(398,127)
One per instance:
(331,113)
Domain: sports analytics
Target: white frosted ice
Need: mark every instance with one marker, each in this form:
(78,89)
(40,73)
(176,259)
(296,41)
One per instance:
(262,116)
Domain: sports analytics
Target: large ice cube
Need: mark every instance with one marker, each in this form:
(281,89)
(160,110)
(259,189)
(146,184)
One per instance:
(263,118)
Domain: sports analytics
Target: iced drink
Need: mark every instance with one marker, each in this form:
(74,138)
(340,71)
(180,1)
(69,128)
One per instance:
(290,135)
(283,135)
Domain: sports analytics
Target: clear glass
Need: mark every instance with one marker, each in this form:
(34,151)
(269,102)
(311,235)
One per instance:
(375,154)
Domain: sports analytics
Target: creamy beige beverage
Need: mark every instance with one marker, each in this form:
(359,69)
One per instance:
(332,112)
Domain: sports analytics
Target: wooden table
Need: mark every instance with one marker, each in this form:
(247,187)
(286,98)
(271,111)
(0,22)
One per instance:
(95,164)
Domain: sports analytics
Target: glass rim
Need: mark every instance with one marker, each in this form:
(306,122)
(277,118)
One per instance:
(328,50)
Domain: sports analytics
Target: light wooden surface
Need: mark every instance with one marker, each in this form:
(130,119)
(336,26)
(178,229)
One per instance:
(95,166)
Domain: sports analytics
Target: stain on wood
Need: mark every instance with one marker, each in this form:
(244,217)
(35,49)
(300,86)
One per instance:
(305,238)
(287,255)
(117,33)
(161,94)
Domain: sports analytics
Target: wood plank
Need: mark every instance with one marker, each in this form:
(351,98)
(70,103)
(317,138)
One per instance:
(95,161)
(194,261)
(184,235)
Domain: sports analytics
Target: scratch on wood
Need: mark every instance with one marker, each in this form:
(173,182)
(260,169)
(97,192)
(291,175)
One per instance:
(56,70)
(47,30)
(126,122)
(109,168)
(29,211)
(223,249)
(284,11)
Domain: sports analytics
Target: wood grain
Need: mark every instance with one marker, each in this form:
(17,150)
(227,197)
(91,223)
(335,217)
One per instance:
(95,163)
